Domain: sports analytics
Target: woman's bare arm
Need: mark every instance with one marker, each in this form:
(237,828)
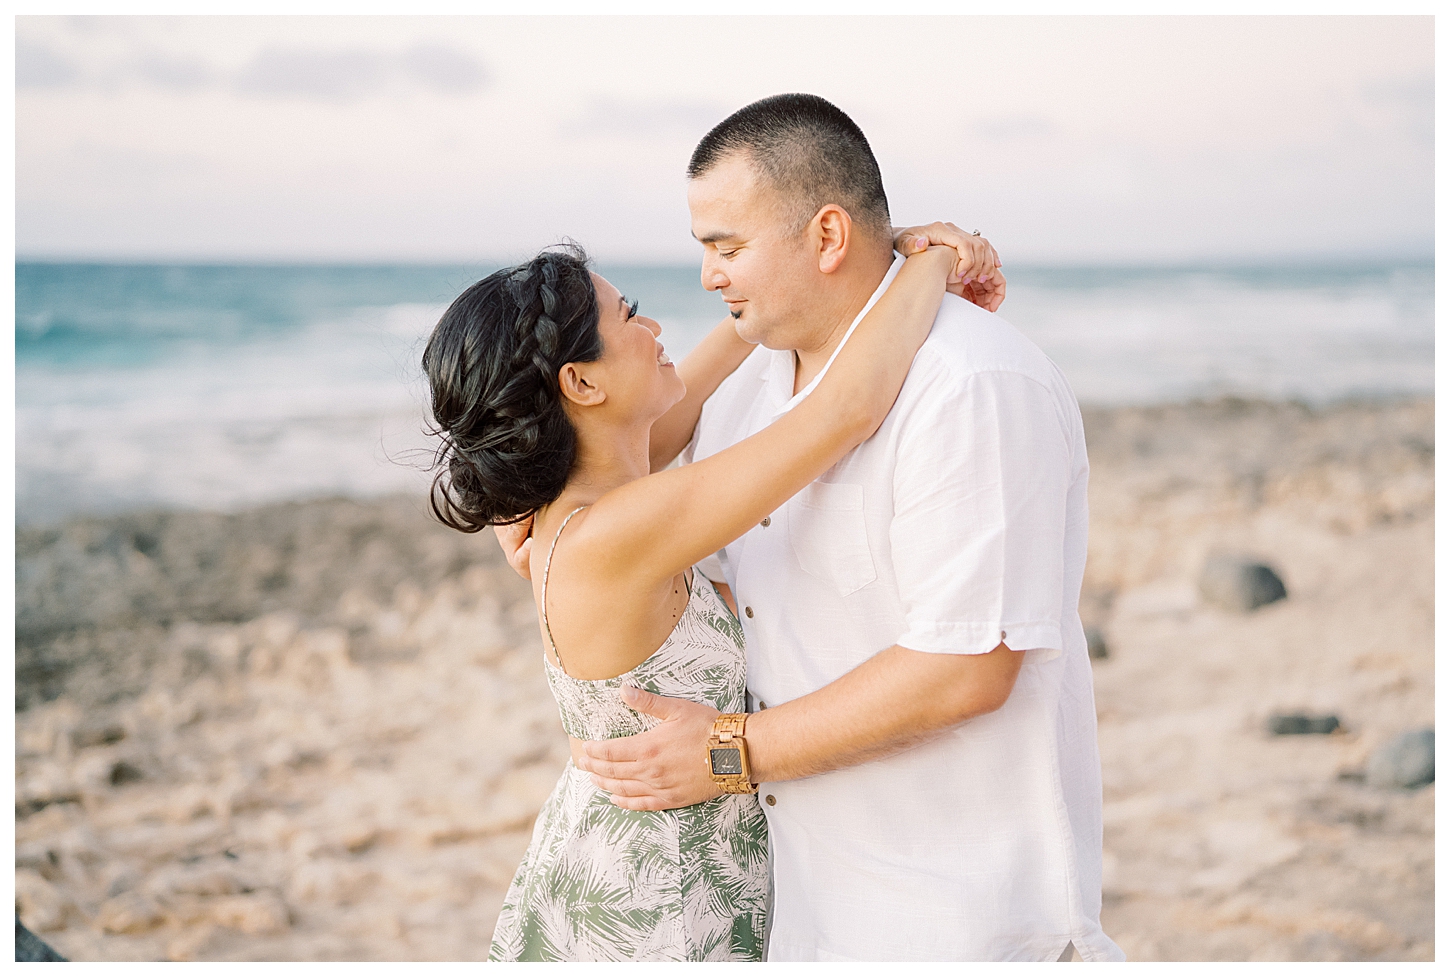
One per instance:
(655,526)
(709,363)
(975,277)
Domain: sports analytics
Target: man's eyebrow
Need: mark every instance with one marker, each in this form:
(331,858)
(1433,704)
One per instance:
(714,236)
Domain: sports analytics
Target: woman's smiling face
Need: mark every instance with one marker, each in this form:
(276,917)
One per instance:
(639,374)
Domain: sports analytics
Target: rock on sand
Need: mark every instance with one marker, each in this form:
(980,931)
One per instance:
(1407,761)
(1237,583)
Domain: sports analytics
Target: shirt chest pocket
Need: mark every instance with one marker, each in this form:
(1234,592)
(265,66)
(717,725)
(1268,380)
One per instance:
(828,535)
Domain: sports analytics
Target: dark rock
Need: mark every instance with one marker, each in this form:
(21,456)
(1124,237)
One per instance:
(30,948)
(1097,644)
(1236,583)
(96,731)
(1406,761)
(124,773)
(1299,724)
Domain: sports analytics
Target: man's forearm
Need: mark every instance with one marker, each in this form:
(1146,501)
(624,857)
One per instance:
(897,699)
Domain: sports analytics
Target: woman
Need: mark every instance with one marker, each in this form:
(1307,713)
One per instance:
(554,400)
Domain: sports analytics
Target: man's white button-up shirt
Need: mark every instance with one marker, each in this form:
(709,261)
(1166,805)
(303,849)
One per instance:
(961,524)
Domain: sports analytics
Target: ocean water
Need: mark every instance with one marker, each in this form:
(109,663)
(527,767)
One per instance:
(217,387)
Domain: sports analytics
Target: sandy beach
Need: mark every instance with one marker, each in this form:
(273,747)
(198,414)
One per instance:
(321,730)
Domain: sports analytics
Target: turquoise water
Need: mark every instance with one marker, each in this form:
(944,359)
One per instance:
(221,386)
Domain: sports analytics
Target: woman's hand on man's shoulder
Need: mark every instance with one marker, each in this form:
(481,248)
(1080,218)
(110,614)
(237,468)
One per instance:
(977,276)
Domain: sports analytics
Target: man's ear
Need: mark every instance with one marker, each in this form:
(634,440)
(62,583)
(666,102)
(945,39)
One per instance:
(830,231)
(577,387)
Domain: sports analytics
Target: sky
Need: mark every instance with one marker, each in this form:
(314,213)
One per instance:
(1066,140)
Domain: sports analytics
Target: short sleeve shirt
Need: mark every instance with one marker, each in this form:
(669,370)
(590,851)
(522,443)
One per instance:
(960,525)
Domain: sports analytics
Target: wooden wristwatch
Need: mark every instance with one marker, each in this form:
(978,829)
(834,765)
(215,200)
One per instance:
(729,765)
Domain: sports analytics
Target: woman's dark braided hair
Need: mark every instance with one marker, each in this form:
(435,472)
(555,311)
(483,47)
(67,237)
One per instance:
(493,369)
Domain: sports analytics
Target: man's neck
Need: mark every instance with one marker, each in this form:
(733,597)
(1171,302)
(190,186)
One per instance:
(849,299)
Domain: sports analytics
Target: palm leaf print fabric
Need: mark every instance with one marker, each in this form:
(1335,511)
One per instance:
(602,883)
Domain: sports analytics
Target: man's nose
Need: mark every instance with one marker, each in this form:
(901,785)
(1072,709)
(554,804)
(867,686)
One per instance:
(711,277)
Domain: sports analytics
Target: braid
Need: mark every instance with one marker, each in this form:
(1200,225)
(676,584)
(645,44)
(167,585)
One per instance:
(506,446)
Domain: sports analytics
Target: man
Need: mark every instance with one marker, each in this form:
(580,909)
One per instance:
(923,729)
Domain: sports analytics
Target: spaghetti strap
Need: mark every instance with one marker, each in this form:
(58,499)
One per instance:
(544,588)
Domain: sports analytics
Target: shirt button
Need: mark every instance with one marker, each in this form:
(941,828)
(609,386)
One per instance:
(749,612)
(770,799)
(765,521)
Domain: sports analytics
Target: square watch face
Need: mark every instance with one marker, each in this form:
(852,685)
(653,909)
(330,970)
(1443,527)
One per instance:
(725,762)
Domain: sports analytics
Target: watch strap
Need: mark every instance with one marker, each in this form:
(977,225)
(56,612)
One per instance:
(729,725)
(728,731)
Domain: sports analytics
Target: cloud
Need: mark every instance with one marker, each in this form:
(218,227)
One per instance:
(444,69)
(174,73)
(1404,102)
(39,67)
(1411,92)
(328,76)
(278,72)
(670,118)
(346,76)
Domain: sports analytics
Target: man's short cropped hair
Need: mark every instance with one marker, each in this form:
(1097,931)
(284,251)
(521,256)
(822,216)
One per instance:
(810,151)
